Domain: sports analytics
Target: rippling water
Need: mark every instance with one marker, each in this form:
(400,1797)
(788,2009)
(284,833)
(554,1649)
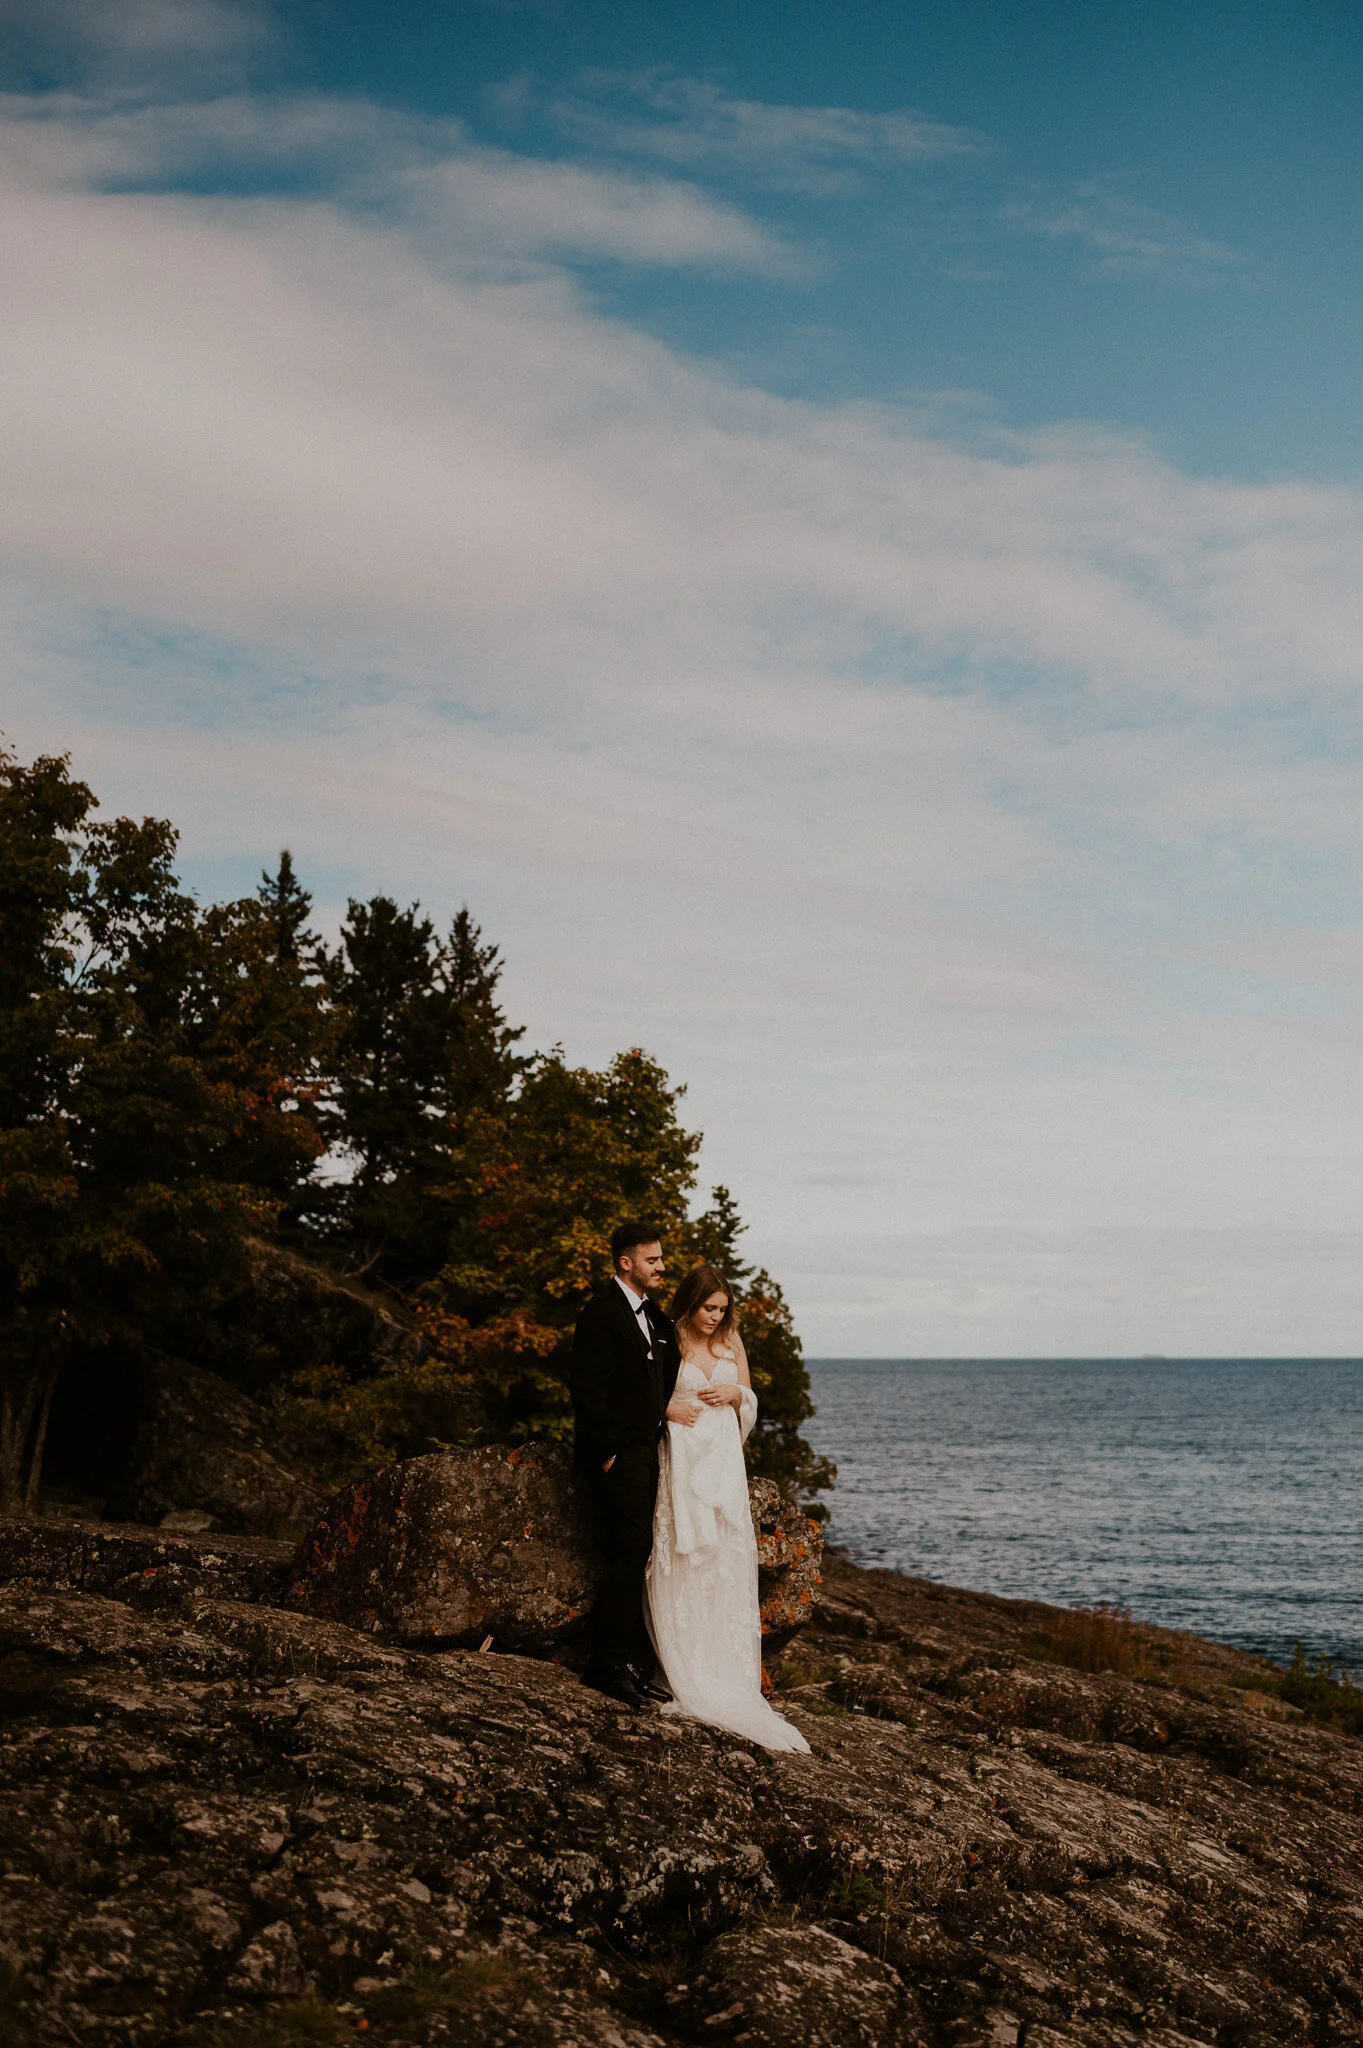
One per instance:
(1220,1495)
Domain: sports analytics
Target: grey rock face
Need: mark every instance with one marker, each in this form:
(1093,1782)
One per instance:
(800,1987)
(298,1314)
(148,1567)
(202,1446)
(212,1809)
(458,1546)
(454,1547)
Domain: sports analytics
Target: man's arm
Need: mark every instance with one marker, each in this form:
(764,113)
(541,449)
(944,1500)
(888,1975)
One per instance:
(589,1380)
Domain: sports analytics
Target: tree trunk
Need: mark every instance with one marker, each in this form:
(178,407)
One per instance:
(25,1404)
(35,1455)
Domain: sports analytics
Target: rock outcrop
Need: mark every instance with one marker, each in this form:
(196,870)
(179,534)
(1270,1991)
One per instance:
(201,1445)
(447,1550)
(789,1554)
(454,1547)
(225,1825)
(296,1313)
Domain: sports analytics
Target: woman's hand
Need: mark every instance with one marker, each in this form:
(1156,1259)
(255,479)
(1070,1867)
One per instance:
(724,1395)
(683,1409)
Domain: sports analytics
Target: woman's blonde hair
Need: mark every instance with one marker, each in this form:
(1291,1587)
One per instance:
(697,1286)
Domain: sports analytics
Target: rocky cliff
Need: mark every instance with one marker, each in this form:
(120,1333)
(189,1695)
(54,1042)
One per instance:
(225,1822)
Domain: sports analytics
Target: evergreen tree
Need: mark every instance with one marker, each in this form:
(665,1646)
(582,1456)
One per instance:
(776,1448)
(151,1100)
(422,1044)
(287,907)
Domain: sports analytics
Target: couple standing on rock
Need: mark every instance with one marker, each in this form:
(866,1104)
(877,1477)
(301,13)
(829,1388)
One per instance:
(662,1406)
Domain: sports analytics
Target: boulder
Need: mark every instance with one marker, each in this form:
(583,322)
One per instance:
(461,1545)
(293,1314)
(455,1547)
(154,1567)
(201,1448)
(789,1555)
(798,1987)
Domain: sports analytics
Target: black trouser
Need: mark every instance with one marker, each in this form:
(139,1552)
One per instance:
(624,1499)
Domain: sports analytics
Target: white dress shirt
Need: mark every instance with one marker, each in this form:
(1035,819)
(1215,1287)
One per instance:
(639,1304)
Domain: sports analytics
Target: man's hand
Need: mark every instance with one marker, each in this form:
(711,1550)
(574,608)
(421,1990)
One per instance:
(609,1462)
(683,1409)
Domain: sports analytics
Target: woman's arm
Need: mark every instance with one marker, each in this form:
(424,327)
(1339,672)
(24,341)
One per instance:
(725,1394)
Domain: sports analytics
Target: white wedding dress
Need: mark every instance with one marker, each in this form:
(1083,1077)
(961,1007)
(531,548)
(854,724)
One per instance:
(702,1577)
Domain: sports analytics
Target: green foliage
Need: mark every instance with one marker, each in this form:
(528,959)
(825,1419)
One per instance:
(157,1096)
(342,1426)
(1322,1693)
(170,1077)
(533,1196)
(776,1449)
(852,1892)
(287,906)
(422,1048)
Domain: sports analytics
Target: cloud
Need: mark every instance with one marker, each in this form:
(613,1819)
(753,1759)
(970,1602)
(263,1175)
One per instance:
(138,45)
(695,122)
(1126,239)
(1199,1292)
(518,205)
(933,760)
(429,174)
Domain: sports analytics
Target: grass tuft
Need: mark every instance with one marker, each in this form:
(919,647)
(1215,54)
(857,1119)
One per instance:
(13,1979)
(303,2023)
(1321,1693)
(427,1992)
(1097,1639)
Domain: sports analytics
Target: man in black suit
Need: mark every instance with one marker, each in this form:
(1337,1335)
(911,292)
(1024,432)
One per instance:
(625,1365)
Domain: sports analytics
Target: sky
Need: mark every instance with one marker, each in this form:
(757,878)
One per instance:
(837,532)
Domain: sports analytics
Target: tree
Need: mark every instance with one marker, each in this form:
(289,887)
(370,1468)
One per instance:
(533,1197)
(422,1047)
(776,1449)
(156,1099)
(528,1204)
(287,907)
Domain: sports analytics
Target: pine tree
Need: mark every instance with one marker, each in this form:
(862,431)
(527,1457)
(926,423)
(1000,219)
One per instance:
(776,1448)
(153,1085)
(422,1045)
(287,908)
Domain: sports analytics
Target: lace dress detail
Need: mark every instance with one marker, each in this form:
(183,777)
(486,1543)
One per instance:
(701,1599)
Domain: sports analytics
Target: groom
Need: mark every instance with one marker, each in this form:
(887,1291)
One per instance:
(625,1365)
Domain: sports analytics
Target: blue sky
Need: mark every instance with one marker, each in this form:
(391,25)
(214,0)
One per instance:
(839,533)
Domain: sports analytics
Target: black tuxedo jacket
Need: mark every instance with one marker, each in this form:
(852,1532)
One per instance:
(619,1397)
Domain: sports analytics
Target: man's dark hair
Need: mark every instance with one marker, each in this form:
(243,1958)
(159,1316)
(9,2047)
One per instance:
(627,1235)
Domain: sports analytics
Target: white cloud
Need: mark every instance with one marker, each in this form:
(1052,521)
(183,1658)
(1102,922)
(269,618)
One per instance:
(1127,239)
(140,45)
(429,174)
(694,121)
(935,762)
(521,205)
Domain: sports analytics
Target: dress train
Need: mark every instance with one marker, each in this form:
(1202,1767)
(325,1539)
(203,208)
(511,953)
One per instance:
(701,1590)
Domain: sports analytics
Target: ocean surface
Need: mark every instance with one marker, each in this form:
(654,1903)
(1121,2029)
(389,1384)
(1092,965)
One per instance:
(1219,1495)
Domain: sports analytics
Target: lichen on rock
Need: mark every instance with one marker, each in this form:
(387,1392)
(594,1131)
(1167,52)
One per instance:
(228,1824)
(462,1545)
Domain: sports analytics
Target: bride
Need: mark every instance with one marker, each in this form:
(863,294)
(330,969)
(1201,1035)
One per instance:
(701,1590)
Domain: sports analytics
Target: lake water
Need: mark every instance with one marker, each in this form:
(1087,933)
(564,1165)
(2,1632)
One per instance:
(1219,1495)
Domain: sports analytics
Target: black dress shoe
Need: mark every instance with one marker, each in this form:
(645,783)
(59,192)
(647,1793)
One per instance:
(649,1687)
(616,1681)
